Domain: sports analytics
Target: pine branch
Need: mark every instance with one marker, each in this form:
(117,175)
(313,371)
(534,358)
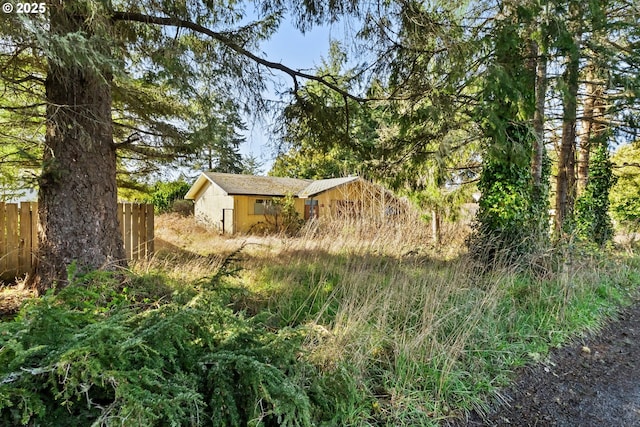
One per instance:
(23,107)
(228,42)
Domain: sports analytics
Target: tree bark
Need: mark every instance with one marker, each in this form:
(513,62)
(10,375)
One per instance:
(565,183)
(592,127)
(585,136)
(538,119)
(78,193)
(566,178)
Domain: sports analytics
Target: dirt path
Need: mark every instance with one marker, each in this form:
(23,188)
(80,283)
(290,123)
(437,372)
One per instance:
(594,382)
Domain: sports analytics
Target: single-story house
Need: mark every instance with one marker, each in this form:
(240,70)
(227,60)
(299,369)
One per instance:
(236,203)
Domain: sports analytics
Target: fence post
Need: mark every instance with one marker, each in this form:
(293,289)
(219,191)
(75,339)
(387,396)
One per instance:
(121,221)
(135,231)
(126,235)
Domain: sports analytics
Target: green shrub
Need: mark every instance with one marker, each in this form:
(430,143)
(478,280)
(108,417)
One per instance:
(98,353)
(166,193)
(182,207)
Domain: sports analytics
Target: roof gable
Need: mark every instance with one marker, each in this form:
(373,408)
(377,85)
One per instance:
(322,185)
(234,184)
(200,183)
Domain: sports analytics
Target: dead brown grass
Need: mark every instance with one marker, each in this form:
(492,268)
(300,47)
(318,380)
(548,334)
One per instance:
(398,235)
(11,299)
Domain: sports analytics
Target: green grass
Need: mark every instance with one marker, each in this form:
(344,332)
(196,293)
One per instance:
(431,339)
(306,332)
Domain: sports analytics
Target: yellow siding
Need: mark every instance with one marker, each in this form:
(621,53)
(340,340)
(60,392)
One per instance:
(353,198)
(299,204)
(245,218)
(327,200)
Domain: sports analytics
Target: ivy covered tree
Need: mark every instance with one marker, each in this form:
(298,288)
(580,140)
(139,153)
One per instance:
(592,220)
(505,217)
(599,90)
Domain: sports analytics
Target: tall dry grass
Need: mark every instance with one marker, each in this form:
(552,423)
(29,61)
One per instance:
(426,330)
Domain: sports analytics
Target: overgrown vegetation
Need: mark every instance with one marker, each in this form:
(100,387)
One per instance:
(282,216)
(98,353)
(165,195)
(348,324)
(625,194)
(592,208)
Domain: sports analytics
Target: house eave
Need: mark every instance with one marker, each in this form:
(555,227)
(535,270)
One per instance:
(197,187)
(309,195)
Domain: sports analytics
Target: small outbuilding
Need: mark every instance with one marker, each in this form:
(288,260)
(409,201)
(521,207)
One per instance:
(237,203)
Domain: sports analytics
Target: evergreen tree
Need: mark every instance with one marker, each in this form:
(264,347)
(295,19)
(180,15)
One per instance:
(306,162)
(84,53)
(599,89)
(217,143)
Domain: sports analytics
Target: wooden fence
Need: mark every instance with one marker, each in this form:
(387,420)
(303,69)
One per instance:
(19,235)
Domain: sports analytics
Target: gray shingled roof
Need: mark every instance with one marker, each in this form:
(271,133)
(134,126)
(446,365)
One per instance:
(257,185)
(265,185)
(317,187)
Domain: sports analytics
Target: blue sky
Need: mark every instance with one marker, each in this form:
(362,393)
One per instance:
(296,50)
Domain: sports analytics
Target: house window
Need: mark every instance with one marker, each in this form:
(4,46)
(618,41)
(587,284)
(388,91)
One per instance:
(311,209)
(264,207)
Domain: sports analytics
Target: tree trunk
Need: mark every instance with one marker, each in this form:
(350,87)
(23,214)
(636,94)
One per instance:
(78,193)
(537,155)
(566,179)
(585,136)
(565,183)
(592,127)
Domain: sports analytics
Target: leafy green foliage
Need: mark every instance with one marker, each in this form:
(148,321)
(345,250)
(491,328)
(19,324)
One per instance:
(324,134)
(98,353)
(289,220)
(505,219)
(591,216)
(166,193)
(625,194)
(307,162)
(281,216)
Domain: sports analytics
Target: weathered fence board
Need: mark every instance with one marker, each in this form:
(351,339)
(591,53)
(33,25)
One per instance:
(19,235)
(149,220)
(13,238)
(136,226)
